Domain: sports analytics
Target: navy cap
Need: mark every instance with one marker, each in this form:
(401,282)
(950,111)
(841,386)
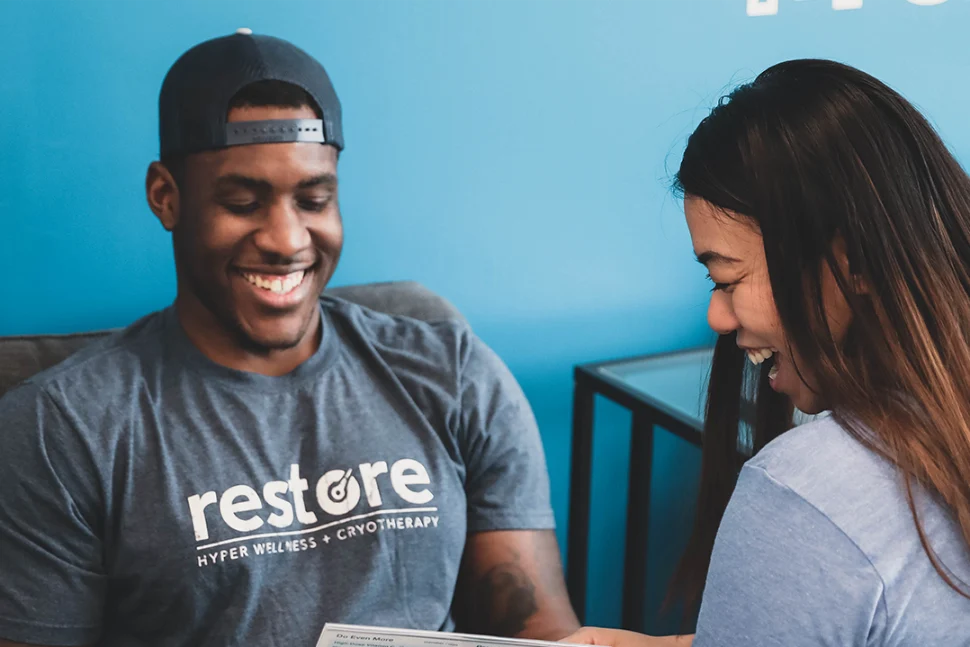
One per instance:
(194,101)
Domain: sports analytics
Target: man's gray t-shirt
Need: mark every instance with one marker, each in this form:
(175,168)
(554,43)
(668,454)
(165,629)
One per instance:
(153,497)
(818,547)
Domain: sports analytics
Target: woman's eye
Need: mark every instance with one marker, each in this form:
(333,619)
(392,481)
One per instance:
(719,286)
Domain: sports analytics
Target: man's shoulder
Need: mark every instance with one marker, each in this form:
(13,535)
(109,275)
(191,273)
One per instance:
(447,348)
(391,332)
(97,365)
(379,320)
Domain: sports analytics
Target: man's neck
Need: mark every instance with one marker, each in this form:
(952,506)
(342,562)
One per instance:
(221,346)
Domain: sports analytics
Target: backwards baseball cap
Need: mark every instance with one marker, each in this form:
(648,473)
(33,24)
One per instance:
(194,101)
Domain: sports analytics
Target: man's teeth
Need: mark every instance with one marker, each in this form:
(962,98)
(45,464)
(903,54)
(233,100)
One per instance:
(276,284)
(759,355)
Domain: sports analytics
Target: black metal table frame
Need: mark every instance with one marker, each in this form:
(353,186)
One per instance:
(648,413)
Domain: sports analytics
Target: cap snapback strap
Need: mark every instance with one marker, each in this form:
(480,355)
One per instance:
(274,130)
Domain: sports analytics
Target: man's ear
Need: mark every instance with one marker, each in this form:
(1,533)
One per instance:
(162,193)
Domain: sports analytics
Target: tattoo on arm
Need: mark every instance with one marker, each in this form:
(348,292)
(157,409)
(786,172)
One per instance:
(506,598)
(511,584)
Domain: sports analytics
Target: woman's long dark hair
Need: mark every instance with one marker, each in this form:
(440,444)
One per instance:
(816,153)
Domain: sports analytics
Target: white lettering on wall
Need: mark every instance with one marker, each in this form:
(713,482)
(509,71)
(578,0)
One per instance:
(770,7)
(762,7)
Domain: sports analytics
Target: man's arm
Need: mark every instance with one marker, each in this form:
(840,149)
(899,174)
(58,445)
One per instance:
(511,579)
(511,584)
(52,580)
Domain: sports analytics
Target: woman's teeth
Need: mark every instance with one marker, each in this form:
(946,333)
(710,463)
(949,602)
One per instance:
(277,284)
(773,372)
(759,355)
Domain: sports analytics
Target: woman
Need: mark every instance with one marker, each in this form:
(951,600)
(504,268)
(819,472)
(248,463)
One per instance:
(835,226)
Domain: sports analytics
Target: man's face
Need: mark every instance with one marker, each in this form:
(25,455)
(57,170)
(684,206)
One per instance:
(258,234)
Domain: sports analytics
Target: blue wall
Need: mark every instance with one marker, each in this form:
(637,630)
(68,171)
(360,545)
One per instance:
(511,155)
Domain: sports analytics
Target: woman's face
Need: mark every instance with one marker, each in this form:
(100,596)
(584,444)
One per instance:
(733,252)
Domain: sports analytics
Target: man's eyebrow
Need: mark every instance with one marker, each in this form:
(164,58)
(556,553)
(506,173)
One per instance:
(709,257)
(325,180)
(234,180)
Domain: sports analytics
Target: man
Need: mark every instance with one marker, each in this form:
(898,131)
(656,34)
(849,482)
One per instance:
(257,460)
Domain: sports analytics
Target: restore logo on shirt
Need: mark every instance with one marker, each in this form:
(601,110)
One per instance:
(337,493)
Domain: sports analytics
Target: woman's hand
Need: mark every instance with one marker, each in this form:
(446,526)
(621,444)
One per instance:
(620,638)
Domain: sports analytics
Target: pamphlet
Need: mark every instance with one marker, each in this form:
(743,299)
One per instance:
(339,635)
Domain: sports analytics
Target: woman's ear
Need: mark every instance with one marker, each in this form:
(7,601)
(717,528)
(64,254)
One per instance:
(162,192)
(849,268)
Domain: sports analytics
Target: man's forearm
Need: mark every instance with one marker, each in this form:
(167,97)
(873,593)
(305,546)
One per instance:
(516,608)
(521,596)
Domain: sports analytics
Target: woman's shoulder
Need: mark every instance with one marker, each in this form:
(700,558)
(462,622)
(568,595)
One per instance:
(864,496)
(821,458)
(854,487)
(818,546)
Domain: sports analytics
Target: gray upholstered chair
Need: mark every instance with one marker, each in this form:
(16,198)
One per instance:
(23,356)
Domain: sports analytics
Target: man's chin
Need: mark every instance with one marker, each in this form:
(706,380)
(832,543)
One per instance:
(270,343)
(262,335)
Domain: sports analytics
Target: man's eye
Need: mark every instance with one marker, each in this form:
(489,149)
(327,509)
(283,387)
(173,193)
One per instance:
(241,208)
(314,205)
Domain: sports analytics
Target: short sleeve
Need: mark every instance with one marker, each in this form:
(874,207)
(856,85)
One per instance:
(507,484)
(52,583)
(782,573)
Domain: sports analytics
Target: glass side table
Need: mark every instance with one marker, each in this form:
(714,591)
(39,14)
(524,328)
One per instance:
(667,391)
